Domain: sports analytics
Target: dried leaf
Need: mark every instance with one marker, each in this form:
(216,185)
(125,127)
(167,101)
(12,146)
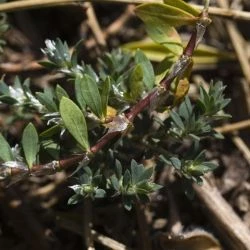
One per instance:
(195,240)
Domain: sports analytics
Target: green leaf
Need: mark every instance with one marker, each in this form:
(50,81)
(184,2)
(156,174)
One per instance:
(48,64)
(8,99)
(74,121)
(30,143)
(51,131)
(165,35)
(4,89)
(147,68)
(165,13)
(118,169)
(79,86)
(60,92)
(201,169)
(105,89)
(52,148)
(136,171)
(126,179)
(180,4)
(135,83)
(91,95)
(114,182)
(5,152)
(100,193)
(175,162)
(74,199)
(146,175)
(177,120)
(47,100)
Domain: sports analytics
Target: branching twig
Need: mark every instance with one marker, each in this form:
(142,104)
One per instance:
(227,222)
(177,71)
(94,25)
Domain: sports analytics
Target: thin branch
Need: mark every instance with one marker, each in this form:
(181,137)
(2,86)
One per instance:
(226,221)
(18,67)
(108,242)
(229,128)
(30,4)
(242,146)
(94,25)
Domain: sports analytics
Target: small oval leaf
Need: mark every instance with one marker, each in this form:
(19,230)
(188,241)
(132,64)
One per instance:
(91,95)
(5,152)
(165,35)
(60,92)
(30,143)
(147,68)
(74,121)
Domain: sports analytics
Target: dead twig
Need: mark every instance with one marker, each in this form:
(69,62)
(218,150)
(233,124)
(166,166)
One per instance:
(226,221)
(94,25)
(229,128)
(20,67)
(113,27)
(108,242)
(242,146)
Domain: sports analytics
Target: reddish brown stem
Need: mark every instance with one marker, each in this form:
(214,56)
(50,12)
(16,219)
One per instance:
(103,141)
(141,105)
(189,50)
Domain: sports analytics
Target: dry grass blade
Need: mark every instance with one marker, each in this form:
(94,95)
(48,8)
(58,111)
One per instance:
(29,4)
(223,217)
(229,128)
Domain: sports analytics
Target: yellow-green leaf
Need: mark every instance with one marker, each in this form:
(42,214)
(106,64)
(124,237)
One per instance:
(181,91)
(136,83)
(166,14)
(165,35)
(147,69)
(204,54)
(184,6)
(60,92)
(74,122)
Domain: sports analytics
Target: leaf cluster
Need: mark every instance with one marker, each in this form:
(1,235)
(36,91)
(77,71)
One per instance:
(196,120)
(133,184)
(192,168)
